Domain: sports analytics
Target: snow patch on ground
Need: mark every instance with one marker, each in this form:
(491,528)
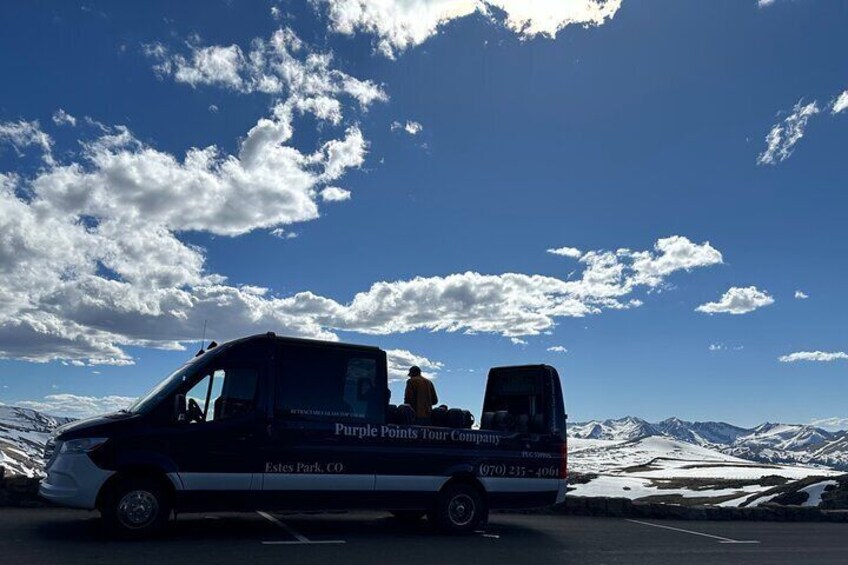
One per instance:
(815,491)
(635,488)
(660,466)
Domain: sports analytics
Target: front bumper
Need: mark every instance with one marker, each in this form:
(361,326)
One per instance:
(73,480)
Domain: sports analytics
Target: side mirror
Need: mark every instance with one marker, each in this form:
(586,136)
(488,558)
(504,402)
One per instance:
(180,409)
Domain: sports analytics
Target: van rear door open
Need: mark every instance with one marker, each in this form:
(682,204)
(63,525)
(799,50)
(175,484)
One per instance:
(524,404)
(524,398)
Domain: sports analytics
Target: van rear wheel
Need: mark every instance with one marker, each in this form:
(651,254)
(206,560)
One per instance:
(459,509)
(136,508)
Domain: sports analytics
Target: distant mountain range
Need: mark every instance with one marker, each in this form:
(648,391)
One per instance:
(23,433)
(769,443)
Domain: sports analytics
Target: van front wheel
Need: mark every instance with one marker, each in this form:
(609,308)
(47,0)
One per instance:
(459,509)
(136,507)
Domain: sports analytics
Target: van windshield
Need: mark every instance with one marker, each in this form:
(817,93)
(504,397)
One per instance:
(167,386)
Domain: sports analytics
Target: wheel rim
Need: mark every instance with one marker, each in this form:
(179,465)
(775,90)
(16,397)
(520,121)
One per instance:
(137,509)
(461,510)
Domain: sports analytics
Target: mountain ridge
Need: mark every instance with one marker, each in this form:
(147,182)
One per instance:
(24,432)
(768,442)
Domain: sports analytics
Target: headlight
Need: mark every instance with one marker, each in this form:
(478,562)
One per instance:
(82,445)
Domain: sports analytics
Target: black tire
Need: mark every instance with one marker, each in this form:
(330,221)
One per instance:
(459,509)
(136,507)
(408,516)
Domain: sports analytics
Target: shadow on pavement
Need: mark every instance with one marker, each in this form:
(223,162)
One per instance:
(85,528)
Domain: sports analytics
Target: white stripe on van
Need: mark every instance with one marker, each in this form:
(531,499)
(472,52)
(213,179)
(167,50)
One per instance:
(415,483)
(503,484)
(216,481)
(341,482)
(317,481)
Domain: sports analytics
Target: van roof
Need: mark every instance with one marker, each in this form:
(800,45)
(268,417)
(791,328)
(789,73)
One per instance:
(305,341)
(513,367)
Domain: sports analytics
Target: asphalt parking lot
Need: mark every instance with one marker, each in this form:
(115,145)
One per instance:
(36,536)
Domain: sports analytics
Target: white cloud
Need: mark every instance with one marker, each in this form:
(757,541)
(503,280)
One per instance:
(518,341)
(22,134)
(834,423)
(818,356)
(784,135)
(213,108)
(723,347)
(90,261)
(840,104)
(282,64)
(738,300)
(401,24)
(335,194)
(672,254)
(283,234)
(211,65)
(410,127)
(400,360)
(62,118)
(71,291)
(572,252)
(801,295)
(509,304)
(557,349)
(764,3)
(267,184)
(77,406)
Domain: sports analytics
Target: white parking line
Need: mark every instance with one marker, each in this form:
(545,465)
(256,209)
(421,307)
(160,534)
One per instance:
(319,542)
(301,539)
(702,534)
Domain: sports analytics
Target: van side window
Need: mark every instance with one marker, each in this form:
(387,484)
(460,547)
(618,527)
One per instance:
(323,383)
(224,393)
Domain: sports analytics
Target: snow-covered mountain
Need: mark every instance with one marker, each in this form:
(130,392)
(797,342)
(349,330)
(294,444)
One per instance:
(770,443)
(623,429)
(787,437)
(701,433)
(782,443)
(23,433)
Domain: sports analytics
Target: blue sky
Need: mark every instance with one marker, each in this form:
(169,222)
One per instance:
(715,127)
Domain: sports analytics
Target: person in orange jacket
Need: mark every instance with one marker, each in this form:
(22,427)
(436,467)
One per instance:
(420,394)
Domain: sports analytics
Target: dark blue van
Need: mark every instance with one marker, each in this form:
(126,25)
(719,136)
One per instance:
(266,422)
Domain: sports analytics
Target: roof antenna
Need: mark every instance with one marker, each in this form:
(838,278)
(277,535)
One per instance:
(202,341)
